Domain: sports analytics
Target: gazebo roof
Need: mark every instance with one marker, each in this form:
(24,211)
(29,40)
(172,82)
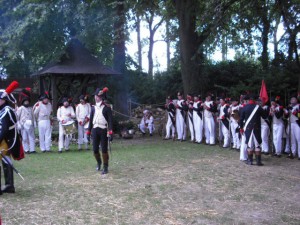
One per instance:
(76,60)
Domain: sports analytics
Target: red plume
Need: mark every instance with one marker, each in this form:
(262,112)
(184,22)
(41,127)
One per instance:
(28,89)
(105,90)
(12,87)
(46,92)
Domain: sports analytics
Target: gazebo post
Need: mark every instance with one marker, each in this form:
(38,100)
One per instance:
(54,93)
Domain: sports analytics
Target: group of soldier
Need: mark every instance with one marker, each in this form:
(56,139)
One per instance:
(18,123)
(246,124)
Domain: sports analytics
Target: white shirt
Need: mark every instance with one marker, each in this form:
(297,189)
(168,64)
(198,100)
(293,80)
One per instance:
(42,111)
(65,114)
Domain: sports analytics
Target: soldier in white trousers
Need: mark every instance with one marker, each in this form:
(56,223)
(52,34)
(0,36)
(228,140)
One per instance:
(147,122)
(243,147)
(65,114)
(83,111)
(26,122)
(190,103)
(276,112)
(42,111)
(181,110)
(170,126)
(293,114)
(209,125)
(265,128)
(224,122)
(234,123)
(198,118)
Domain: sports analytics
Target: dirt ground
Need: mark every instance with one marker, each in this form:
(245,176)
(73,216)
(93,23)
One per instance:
(152,181)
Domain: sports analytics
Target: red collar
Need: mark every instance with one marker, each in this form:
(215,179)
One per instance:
(252,102)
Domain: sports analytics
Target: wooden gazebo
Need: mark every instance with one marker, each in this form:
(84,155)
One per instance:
(75,71)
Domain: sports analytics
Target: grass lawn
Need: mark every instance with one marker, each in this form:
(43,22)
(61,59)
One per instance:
(152,181)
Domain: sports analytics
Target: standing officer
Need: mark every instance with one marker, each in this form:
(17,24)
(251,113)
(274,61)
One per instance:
(100,127)
(250,126)
(10,143)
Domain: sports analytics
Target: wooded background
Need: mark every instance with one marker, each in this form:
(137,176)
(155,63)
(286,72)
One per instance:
(35,32)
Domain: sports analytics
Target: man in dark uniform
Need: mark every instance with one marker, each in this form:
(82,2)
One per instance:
(101,128)
(10,143)
(250,126)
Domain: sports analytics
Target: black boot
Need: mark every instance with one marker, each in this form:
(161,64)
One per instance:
(98,159)
(0,182)
(105,163)
(250,159)
(258,160)
(9,179)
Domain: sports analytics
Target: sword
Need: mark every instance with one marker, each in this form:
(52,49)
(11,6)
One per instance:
(8,162)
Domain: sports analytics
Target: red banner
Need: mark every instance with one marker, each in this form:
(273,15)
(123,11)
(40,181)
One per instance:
(263,92)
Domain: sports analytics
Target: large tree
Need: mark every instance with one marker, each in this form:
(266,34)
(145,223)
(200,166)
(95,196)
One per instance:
(197,20)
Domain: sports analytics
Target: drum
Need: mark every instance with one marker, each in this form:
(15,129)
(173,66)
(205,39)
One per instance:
(69,127)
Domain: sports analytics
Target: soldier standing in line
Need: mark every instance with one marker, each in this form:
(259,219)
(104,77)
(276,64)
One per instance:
(209,109)
(42,111)
(26,121)
(170,126)
(265,127)
(198,118)
(181,109)
(293,114)
(65,115)
(190,104)
(83,111)
(234,123)
(224,119)
(276,112)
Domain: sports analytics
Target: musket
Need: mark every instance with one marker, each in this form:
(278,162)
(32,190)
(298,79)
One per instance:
(8,162)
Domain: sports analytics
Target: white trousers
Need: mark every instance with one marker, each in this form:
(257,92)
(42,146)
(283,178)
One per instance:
(198,126)
(150,127)
(169,127)
(265,132)
(295,139)
(225,133)
(191,127)
(63,140)
(28,139)
(235,135)
(82,136)
(243,149)
(45,134)
(209,127)
(180,127)
(277,137)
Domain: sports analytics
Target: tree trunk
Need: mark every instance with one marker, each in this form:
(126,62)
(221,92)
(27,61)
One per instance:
(224,46)
(168,44)
(150,51)
(265,37)
(139,43)
(119,58)
(190,68)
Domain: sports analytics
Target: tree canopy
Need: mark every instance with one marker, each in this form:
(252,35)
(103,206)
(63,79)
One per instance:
(34,32)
